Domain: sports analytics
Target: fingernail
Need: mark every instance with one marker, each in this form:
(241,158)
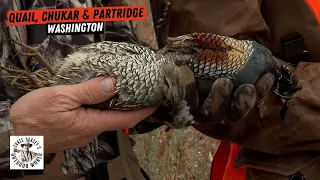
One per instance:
(107,85)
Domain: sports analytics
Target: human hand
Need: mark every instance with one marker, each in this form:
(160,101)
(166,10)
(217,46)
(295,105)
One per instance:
(226,105)
(57,114)
(220,102)
(263,130)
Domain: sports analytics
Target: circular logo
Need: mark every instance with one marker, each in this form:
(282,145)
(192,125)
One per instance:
(26,152)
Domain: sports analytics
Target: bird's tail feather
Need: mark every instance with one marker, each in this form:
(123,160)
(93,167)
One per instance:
(26,81)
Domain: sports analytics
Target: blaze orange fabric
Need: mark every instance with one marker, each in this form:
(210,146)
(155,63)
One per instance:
(220,161)
(223,163)
(315,6)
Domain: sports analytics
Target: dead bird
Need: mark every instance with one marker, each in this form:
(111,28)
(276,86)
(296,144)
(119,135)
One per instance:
(211,56)
(155,78)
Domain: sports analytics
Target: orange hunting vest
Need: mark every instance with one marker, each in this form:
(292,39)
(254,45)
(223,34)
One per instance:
(227,153)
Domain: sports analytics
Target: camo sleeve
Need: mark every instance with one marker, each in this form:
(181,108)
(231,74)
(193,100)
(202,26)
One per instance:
(6,130)
(5,124)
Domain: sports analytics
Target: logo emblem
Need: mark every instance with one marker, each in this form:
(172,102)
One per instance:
(26,152)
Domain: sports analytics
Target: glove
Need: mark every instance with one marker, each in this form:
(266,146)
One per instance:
(226,105)
(263,130)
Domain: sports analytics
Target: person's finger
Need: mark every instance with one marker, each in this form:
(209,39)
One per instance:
(265,95)
(204,87)
(110,120)
(191,91)
(91,92)
(264,85)
(242,102)
(215,107)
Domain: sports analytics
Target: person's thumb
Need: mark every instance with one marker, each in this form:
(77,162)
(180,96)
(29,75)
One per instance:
(93,91)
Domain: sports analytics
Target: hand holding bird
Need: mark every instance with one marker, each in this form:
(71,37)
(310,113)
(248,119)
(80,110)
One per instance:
(147,78)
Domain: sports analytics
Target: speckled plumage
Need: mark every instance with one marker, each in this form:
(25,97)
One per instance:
(147,78)
(140,72)
(143,77)
(211,56)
